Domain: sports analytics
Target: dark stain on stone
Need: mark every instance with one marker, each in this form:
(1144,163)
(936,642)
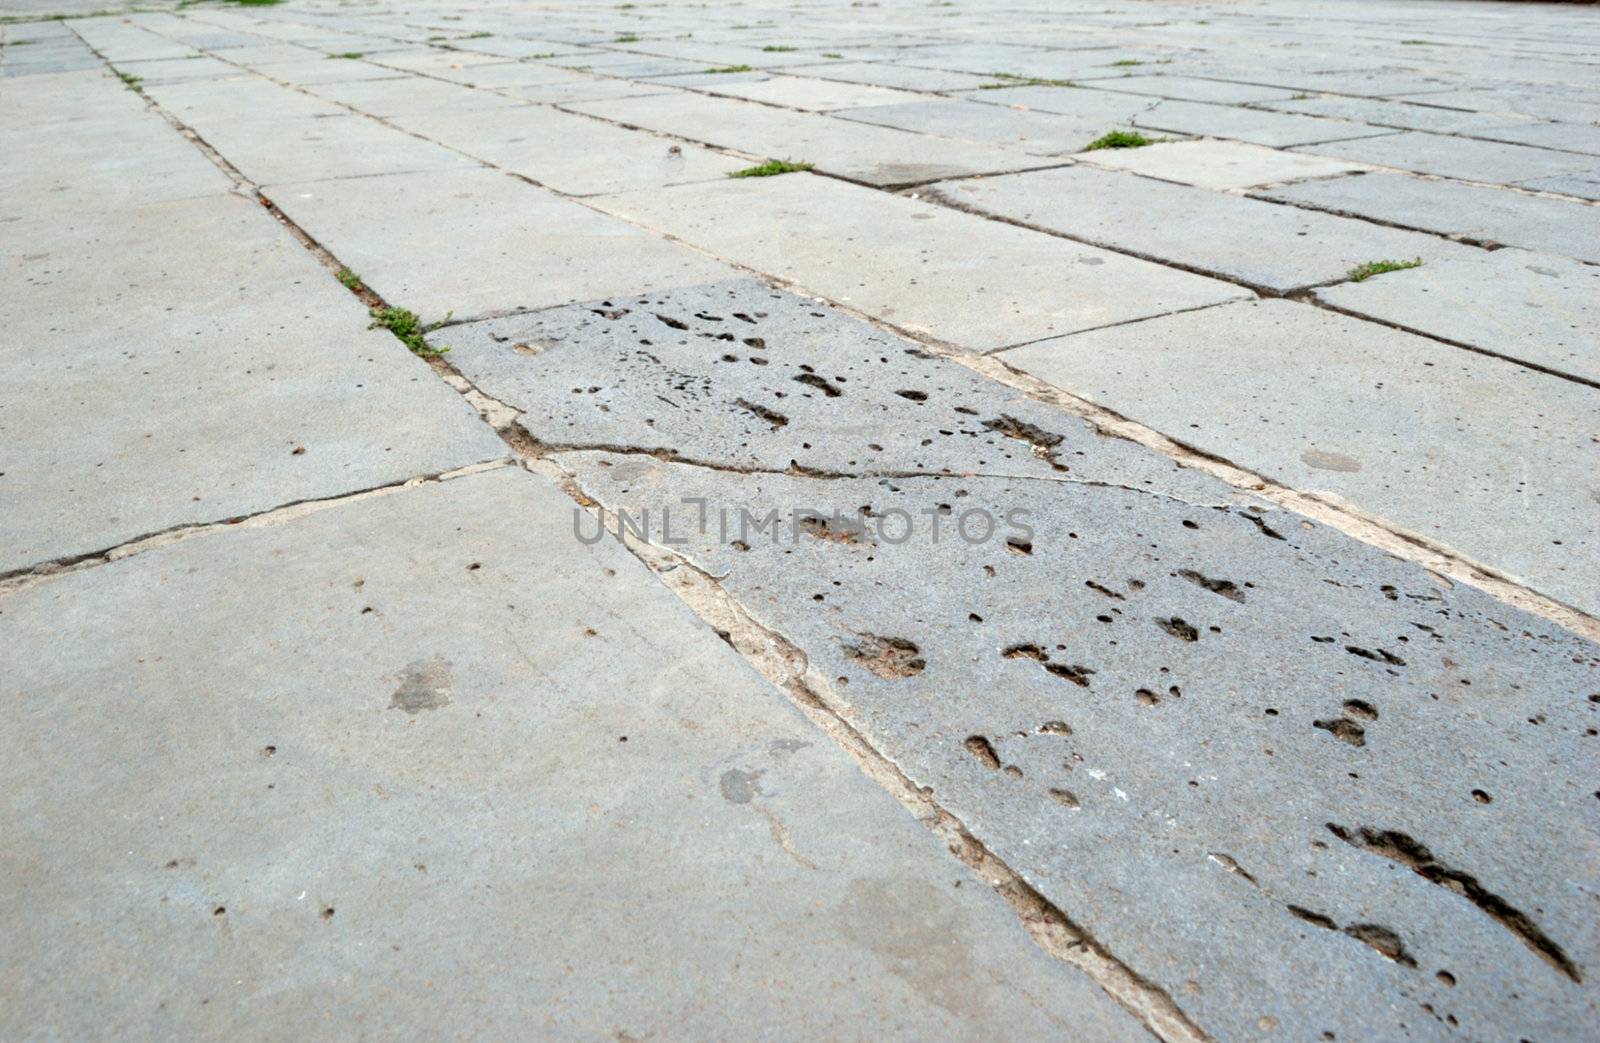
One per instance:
(424,685)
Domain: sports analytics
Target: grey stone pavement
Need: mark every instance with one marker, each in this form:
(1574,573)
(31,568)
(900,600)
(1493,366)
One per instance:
(976,586)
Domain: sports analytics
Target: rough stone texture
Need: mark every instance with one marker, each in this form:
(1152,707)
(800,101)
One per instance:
(1190,88)
(1153,687)
(1584,185)
(1531,307)
(1475,212)
(1400,115)
(874,155)
(1199,229)
(815,95)
(481,242)
(442,765)
(1218,165)
(1458,157)
(1325,402)
(913,264)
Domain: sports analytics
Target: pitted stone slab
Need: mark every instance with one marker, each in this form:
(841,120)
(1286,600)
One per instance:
(1261,244)
(958,278)
(739,375)
(320,769)
(1433,438)
(1475,212)
(1464,158)
(1525,306)
(1142,706)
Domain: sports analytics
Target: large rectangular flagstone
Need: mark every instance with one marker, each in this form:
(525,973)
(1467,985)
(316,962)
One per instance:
(887,74)
(1493,459)
(1275,247)
(1258,126)
(875,155)
(1533,308)
(951,276)
(426,761)
(1039,133)
(206,367)
(480,241)
(1464,158)
(1476,212)
(1196,725)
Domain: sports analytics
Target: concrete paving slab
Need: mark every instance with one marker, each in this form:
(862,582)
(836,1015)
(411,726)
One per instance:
(1148,696)
(1475,212)
(950,276)
(1433,438)
(1258,126)
(873,155)
(1584,185)
(1534,308)
(1104,107)
(330,70)
(1463,158)
(388,799)
(387,99)
(177,70)
(1563,137)
(482,242)
(1400,115)
(1190,88)
(1218,165)
(1567,102)
(573,154)
(587,89)
(812,95)
(883,74)
(247,97)
(1194,228)
(1038,133)
(348,145)
(208,368)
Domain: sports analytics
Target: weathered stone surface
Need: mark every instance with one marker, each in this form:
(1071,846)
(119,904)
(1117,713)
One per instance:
(350,756)
(1278,129)
(901,76)
(1196,228)
(1190,88)
(1160,668)
(875,155)
(1475,212)
(1436,439)
(1584,185)
(914,264)
(750,374)
(813,95)
(1401,115)
(1104,107)
(481,242)
(316,149)
(1039,133)
(207,368)
(1218,164)
(1529,307)
(1464,158)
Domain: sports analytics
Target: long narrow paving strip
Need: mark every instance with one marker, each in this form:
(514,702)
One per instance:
(1102,547)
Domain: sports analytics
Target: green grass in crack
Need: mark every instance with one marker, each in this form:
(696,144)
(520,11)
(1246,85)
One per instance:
(626,38)
(352,55)
(771,168)
(779,48)
(130,79)
(349,280)
(732,68)
(1362,272)
(1120,139)
(407,329)
(1126,61)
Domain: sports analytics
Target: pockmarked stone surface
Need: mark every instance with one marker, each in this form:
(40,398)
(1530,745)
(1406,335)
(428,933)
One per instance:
(925,268)
(1095,675)
(1434,438)
(439,764)
(481,242)
(1207,231)
(1476,212)
(1533,308)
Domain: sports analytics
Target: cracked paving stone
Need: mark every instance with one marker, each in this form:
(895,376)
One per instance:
(1375,799)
